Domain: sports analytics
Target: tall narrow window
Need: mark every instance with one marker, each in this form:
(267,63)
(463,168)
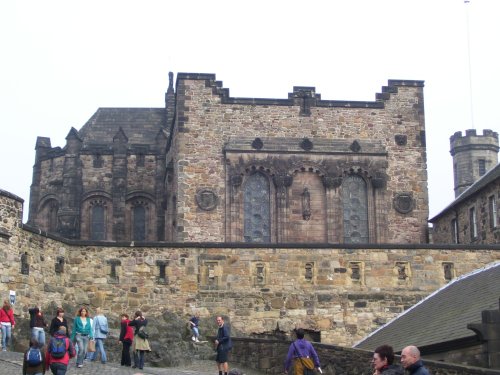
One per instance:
(473,223)
(482,166)
(97,225)
(355,202)
(454,231)
(139,213)
(493,213)
(257,222)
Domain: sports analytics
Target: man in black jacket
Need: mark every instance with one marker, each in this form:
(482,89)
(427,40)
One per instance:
(410,359)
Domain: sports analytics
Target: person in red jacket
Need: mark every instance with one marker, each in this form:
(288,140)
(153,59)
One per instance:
(57,365)
(7,322)
(126,338)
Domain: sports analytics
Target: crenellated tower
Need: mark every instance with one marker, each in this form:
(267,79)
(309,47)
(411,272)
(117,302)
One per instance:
(473,155)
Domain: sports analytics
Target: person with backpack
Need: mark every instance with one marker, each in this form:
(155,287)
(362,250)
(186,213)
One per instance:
(7,322)
(302,356)
(34,359)
(59,350)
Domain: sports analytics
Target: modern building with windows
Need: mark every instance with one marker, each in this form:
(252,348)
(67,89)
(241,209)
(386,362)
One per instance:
(209,167)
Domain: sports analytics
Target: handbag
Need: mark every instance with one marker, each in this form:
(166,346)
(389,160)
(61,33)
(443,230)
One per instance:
(91,346)
(307,363)
(142,333)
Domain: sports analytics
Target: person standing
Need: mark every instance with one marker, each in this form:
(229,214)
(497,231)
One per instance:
(8,323)
(383,359)
(37,324)
(101,330)
(59,350)
(194,324)
(34,359)
(301,352)
(126,338)
(410,359)
(58,321)
(223,345)
(140,344)
(82,332)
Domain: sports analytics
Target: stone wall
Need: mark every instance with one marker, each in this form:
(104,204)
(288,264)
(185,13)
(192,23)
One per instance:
(394,170)
(269,356)
(341,293)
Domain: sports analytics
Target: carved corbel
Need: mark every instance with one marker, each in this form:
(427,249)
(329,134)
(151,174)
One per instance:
(331,182)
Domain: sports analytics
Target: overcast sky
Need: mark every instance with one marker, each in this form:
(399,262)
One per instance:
(62,60)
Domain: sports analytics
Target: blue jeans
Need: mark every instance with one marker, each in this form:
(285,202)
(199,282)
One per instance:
(82,342)
(58,368)
(6,336)
(39,334)
(99,348)
(196,332)
(139,358)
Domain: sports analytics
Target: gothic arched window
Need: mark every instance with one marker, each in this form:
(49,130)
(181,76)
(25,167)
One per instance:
(256,206)
(139,223)
(355,204)
(97,222)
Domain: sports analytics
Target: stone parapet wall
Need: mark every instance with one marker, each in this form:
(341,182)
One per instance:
(268,356)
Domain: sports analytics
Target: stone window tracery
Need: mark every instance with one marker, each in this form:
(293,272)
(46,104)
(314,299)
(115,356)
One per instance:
(256,208)
(355,206)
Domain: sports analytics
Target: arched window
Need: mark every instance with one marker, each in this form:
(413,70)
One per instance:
(355,203)
(256,206)
(97,223)
(139,223)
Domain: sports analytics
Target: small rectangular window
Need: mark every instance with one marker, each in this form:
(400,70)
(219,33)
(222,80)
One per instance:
(492,208)
(454,231)
(482,166)
(473,223)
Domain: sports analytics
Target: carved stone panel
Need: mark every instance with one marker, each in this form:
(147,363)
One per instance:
(206,199)
(403,202)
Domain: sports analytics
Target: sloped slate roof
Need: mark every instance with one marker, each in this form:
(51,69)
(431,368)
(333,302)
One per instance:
(488,177)
(443,316)
(140,125)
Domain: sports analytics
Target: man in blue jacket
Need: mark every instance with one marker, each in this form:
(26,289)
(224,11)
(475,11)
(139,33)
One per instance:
(223,345)
(410,359)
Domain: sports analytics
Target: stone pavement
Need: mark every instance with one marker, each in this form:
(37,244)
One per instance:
(11,363)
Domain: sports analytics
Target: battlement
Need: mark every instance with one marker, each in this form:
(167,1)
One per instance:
(472,133)
(304,93)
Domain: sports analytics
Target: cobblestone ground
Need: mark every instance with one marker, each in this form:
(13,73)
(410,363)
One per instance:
(11,364)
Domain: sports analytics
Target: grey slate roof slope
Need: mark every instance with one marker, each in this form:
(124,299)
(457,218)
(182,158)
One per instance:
(488,177)
(140,125)
(443,316)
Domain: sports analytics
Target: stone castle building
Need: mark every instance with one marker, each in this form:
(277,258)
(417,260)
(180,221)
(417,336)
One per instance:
(209,167)
(276,213)
(473,217)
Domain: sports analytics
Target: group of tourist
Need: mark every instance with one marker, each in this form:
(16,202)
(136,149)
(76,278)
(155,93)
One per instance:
(90,333)
(85,340)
